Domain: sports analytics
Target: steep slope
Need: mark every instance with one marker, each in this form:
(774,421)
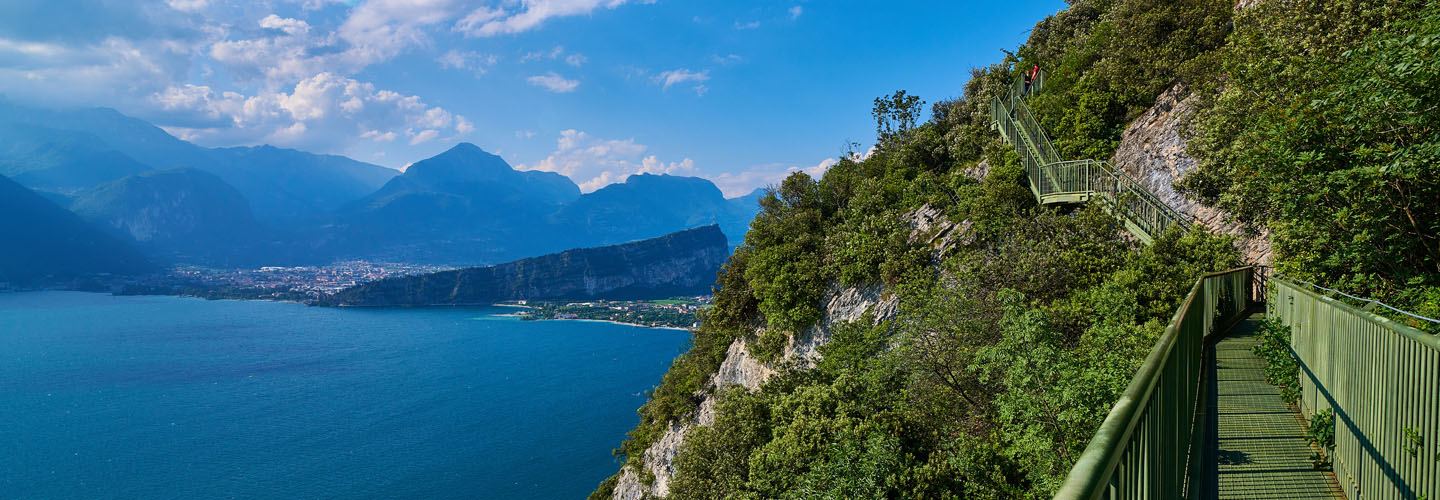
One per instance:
(185,215)
(60,161)
(43,242)
(682,263)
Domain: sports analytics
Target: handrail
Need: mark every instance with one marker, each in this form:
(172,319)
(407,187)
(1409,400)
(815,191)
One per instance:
(1147,444)
(1381,379)
(1053,180)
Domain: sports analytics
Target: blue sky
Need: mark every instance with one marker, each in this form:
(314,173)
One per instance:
(735,91)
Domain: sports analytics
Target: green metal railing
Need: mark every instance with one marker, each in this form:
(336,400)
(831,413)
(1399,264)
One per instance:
(1147,445)
(1055,181)
(1382,380)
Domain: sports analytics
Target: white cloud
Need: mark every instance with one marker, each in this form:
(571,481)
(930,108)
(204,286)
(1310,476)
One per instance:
(738,184)
(422,136)
(747,26)
(473,61)
(378,136)
(379,30)
(113,71)
(326,112)
(188,5)
(517,17)
(727,59)
(573,59)
(543,54)
(700,90)
(524,134)
(594,162)
(553,82)
(796,11)
(675,76)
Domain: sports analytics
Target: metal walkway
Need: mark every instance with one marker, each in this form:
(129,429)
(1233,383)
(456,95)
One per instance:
(1198,420)
(1256,446)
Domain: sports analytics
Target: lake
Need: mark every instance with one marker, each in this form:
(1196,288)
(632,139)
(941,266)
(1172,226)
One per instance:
(167,397)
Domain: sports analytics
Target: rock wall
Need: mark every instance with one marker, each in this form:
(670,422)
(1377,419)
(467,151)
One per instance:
(1152,150)
(741,369)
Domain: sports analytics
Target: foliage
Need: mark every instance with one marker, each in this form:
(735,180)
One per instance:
(895,115)
(1322,435)
(1106,60)
(1326,133)
(1008,351)
(1281,369)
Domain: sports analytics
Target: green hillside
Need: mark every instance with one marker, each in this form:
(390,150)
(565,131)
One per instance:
(1317,123)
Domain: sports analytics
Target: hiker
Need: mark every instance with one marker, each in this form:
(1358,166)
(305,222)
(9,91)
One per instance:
(1027,84)
(1030,77)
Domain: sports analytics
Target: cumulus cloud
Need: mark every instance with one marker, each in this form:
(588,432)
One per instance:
(326,112)
(379,30)
(113,71)
(593,162)
(553,82)
(677,76)
(796,11)
(519,17)
(742,183)
(284,50)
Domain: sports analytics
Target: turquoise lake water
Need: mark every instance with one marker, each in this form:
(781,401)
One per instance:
(174,398)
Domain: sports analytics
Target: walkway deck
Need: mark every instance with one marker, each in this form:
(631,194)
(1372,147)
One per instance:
(1257,447)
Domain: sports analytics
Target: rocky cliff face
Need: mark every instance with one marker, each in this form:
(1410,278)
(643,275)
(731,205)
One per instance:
(683,263)
(1152,150)
(741,369)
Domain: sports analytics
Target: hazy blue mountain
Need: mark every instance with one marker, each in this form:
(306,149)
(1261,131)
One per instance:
(43,242)
(183,215)
(287,187)
(284,187)
(682,263)
(742,210)
(60,161)
(646,205)
(461,206)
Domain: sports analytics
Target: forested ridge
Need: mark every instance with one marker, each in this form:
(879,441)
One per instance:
(1318,122)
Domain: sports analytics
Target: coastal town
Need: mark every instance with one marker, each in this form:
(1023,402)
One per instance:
(680,312)
(297,284)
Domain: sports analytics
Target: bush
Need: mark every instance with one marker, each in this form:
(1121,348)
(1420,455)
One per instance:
(1281,368)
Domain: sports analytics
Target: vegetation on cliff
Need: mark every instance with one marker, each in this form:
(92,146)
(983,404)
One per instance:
(1326,130)
(1009,350)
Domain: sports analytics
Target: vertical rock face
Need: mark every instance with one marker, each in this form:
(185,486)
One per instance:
(740,369)
(1152,150)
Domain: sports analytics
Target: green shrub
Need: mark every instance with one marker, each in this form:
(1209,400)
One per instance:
(1281,368)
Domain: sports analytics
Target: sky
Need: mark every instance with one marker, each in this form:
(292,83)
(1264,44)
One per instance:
(738,92)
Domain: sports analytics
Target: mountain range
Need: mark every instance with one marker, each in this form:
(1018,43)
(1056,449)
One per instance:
(246,206)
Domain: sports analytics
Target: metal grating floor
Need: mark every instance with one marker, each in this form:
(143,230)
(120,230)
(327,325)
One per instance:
(1257,447)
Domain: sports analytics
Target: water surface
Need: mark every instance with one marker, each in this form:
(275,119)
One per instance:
(164,397)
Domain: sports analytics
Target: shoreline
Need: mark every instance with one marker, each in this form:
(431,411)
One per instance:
(613,322)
